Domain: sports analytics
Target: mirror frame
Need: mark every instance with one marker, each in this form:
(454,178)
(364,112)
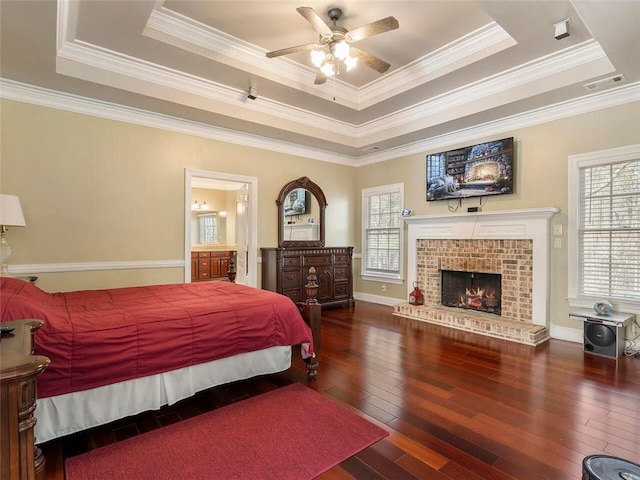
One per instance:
(302,182)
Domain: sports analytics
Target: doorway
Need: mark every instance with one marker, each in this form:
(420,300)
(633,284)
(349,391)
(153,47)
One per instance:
(242,223)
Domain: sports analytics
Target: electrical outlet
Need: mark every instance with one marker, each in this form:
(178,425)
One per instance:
(384,288)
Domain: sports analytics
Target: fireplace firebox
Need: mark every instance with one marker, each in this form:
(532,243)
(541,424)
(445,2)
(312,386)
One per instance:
(471,290)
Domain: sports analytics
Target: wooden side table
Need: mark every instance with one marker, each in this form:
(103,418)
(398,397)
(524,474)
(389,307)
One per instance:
(20,459)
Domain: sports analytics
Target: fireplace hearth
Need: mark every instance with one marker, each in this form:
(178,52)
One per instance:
(471,290)
(512,243)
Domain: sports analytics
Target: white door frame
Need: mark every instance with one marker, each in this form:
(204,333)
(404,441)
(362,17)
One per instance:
(252,219)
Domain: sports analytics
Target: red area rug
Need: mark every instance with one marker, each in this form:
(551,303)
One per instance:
(289,433)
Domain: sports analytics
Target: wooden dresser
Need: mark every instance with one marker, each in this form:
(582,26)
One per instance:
(210,264)
(19,457)
(285,270)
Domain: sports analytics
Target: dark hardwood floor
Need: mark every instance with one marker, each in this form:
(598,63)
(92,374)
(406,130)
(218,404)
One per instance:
(456,405)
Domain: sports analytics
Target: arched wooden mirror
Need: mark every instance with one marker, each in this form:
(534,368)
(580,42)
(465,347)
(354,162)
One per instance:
(301,206)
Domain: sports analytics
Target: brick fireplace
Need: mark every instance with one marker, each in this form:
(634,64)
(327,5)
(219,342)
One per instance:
(513,244)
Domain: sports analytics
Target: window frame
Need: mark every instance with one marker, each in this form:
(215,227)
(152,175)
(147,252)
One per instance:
(577,162)
(398,277)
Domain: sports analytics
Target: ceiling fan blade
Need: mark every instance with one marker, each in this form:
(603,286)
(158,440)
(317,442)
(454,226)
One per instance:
(320,78)
(369,60)
(299,48)
(371,29)
(315,20)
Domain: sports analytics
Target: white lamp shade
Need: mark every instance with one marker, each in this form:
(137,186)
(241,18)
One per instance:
(11,211)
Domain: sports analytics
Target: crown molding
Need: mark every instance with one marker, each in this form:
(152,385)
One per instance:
(100,65)
(184,32)
(94,61)
(502,88)
(471,48)
(570,108)
(20,92)
(25,93)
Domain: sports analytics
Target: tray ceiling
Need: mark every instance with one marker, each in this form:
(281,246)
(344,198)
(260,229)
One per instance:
(454,65)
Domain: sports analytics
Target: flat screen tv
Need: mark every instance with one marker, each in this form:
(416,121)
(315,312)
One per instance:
(296,203)
(475,171)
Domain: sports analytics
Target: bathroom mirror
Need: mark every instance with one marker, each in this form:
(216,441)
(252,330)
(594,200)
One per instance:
(301,206)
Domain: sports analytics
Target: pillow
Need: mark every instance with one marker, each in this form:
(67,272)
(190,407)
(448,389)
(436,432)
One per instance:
(19,307)
(27,289)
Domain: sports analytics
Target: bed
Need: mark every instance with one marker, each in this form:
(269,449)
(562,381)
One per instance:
(122,351)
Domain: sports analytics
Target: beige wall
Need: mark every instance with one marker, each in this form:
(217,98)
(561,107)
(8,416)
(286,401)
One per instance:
(96,190)
(541,181)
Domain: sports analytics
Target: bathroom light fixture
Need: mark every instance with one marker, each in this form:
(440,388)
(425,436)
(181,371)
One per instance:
(199,206)
(10,216)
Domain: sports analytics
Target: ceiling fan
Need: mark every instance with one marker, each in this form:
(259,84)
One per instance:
(335,43)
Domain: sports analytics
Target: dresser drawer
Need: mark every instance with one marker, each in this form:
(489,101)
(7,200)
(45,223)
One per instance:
(341,290)
(204,254)
(204,263)
(295,294)
(291,261)
(341,258)
(341,273)
(291,279)
(286,270)
(316,260)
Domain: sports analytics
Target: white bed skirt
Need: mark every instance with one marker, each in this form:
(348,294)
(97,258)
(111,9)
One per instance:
(72,412)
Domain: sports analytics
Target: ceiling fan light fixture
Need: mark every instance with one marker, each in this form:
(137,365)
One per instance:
(350,62)
(341,50)
(327,68)
(333,46)
(317,57)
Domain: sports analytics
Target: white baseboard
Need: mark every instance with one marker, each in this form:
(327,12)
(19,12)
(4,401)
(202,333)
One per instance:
(566,333)
(379,299)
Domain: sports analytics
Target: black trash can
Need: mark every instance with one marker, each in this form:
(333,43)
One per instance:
(604,467)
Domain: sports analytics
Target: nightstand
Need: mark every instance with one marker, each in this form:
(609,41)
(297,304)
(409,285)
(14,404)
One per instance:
(20,458)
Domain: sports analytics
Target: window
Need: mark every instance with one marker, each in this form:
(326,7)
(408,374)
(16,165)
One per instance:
(383,233)
(208,228)
(604,213)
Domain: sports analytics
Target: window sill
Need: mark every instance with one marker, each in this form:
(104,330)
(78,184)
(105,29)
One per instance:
(382,279)
(619,305)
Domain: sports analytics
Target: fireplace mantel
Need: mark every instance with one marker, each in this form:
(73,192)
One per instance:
(530,224)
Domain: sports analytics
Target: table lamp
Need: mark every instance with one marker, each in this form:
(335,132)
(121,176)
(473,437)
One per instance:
(10,216)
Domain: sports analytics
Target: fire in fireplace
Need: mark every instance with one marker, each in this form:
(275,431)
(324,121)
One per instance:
(472,290)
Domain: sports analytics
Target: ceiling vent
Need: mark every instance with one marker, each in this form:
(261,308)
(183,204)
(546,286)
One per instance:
(605,82)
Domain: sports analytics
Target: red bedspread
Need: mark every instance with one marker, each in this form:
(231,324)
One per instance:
(98,337)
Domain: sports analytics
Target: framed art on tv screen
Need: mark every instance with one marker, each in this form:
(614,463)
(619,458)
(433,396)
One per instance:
(474,171)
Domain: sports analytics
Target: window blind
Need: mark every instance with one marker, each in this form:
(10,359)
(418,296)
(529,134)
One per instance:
(609,230)
(382,233)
